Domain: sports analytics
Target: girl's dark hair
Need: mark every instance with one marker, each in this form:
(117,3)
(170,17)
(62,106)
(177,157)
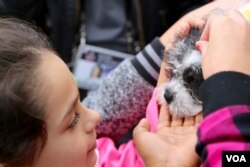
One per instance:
(22,126)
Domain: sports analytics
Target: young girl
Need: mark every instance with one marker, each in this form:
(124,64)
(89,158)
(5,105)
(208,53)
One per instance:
(42,121)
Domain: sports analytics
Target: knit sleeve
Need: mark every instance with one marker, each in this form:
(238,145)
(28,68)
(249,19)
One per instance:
(226,109)
(148,61)
(123,95)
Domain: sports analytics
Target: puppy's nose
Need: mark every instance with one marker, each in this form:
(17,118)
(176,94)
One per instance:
(168,96)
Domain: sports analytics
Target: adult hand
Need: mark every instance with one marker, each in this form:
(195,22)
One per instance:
(225,44)
(173,144)
(193,19)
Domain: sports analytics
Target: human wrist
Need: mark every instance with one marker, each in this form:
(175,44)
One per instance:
(161,161)
(157,164)
(224,89)
(165,164)
(165,40)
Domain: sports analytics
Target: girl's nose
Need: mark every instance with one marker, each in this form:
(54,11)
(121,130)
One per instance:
(96,117)
(93,120)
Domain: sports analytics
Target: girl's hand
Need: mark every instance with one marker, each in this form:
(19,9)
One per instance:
(173,144)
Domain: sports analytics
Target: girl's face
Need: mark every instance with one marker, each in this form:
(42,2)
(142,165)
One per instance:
(71,137)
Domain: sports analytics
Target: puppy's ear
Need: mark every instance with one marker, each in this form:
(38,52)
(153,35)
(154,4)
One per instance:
(171,59)
(193,37)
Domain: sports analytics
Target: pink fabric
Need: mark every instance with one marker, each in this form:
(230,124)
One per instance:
(152,112)
(126,155)
(222,119)
(214,156)
(219,133)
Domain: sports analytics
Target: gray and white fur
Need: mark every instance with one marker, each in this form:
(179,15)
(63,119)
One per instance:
(181,92)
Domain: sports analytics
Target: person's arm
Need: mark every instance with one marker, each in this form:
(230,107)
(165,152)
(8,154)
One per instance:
(123,95)
(225,48)
(226,111)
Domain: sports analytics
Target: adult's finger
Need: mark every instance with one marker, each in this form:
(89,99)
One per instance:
(206,31)
(164,116)
(177,121)
(198,118)
(189,121)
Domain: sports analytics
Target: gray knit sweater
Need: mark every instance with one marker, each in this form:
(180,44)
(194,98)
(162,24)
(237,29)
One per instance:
(124,94)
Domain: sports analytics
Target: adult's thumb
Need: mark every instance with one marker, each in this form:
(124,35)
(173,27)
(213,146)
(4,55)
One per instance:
(202,46)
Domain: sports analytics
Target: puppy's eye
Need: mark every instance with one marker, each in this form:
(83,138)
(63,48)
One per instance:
(190,76)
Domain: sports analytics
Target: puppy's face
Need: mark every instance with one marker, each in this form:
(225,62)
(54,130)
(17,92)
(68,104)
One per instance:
(181,92)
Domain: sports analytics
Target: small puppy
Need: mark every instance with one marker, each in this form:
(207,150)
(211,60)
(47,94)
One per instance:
(181,92)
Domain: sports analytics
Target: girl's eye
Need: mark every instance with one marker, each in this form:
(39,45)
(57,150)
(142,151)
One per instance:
(75,120)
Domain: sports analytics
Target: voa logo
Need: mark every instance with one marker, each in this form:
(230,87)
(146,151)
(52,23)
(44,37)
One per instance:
(236,158)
